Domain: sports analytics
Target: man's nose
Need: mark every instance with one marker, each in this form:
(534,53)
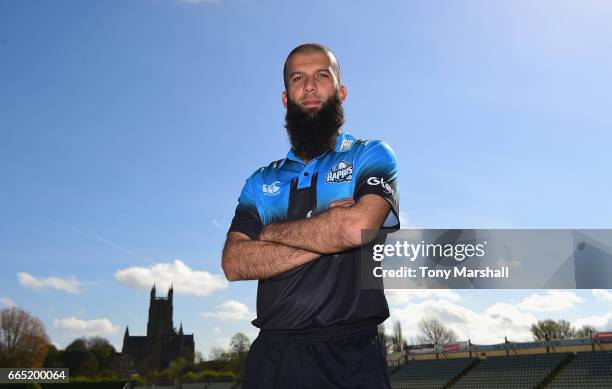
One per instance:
(309,85)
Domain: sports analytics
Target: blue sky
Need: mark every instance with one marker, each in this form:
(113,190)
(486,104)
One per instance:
(129,127)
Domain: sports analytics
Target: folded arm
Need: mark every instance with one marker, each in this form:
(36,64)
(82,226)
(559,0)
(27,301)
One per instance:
(247,259)
(335,230)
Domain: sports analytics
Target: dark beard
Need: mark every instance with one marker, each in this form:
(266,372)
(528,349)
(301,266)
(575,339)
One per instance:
(313,133)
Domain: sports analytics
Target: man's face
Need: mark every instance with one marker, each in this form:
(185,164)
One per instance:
(311,81)
(314,104)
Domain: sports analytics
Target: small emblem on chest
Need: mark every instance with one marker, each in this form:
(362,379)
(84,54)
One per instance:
(342,172)
(272,189)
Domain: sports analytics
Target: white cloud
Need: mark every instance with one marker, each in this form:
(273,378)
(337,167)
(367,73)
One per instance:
(554,300)
(7,302)
(603,294)
(404,296)
(601,323)
(231,310)
(488,327)
(184,279)
(216,223)
(70,285)
(81,327)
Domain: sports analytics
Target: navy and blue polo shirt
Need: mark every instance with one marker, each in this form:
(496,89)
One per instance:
(327,291)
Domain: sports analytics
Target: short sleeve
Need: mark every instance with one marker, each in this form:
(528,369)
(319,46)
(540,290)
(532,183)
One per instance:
(377,174)
(246,218)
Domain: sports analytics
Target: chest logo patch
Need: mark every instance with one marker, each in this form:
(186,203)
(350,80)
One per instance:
(271,190)
(342,172)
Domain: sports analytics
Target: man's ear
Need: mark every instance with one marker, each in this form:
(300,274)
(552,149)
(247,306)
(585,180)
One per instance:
(342,92)
(284,98)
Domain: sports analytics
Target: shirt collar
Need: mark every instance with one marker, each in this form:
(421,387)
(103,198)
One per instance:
(344,142)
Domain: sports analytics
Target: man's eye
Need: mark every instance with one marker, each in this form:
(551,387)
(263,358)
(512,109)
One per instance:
(323,75)
(296,78)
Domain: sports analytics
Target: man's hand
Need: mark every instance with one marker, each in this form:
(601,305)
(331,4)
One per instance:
(344,203)
(247,259)
(335,230)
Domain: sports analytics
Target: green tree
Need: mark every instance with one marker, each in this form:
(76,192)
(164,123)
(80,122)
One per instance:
(54,357)
(219,354)
(177,368)
(550,329)
(101,349)
(586,331)
(565,330)
(74,355)
(240,345)
(89,357)
(89,366)
(198,358)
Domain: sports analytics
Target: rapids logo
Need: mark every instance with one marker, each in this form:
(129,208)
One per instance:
(342,172)
(272,189)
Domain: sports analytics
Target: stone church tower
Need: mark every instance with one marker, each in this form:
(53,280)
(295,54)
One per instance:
(163,343)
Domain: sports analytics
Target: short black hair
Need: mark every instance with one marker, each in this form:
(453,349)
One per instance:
(309,48)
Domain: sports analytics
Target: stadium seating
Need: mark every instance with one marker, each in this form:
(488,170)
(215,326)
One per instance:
(429,374)
(515,371)
(586,370)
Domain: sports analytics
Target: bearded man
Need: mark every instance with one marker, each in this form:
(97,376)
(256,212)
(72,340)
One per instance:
(297,229)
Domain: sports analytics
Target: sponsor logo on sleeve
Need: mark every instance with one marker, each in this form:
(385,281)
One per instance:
(271,190)
(342,172)
(346,144)
(374,181)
